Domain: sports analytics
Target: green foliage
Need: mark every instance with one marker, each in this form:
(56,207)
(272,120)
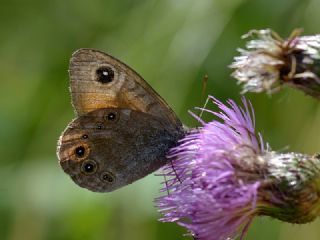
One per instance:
(173,44)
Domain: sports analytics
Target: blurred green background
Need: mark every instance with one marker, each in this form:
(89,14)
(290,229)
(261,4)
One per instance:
(172,44)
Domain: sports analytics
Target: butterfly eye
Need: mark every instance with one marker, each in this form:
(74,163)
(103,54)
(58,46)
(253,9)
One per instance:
(104,75)
(84,136)
(80,151)
(89,167)
(107,177)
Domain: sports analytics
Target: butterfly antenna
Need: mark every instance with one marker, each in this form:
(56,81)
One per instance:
(204,85)
(205,104)
(205,80)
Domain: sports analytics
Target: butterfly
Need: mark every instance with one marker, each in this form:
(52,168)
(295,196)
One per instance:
(123,128)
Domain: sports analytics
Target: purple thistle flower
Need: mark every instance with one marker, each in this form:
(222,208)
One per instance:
(221,176)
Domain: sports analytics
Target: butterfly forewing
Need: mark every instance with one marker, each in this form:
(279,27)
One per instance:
(99,80)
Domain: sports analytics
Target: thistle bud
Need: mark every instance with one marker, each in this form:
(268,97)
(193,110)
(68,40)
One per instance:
(292,193)
(268,62)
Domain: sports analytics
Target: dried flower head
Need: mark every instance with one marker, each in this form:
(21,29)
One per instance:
(221,176)
(269,61)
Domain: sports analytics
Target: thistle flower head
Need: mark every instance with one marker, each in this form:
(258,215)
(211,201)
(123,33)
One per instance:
(221,176)
(270,61)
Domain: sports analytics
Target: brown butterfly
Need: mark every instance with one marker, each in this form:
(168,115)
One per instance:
(123,128)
